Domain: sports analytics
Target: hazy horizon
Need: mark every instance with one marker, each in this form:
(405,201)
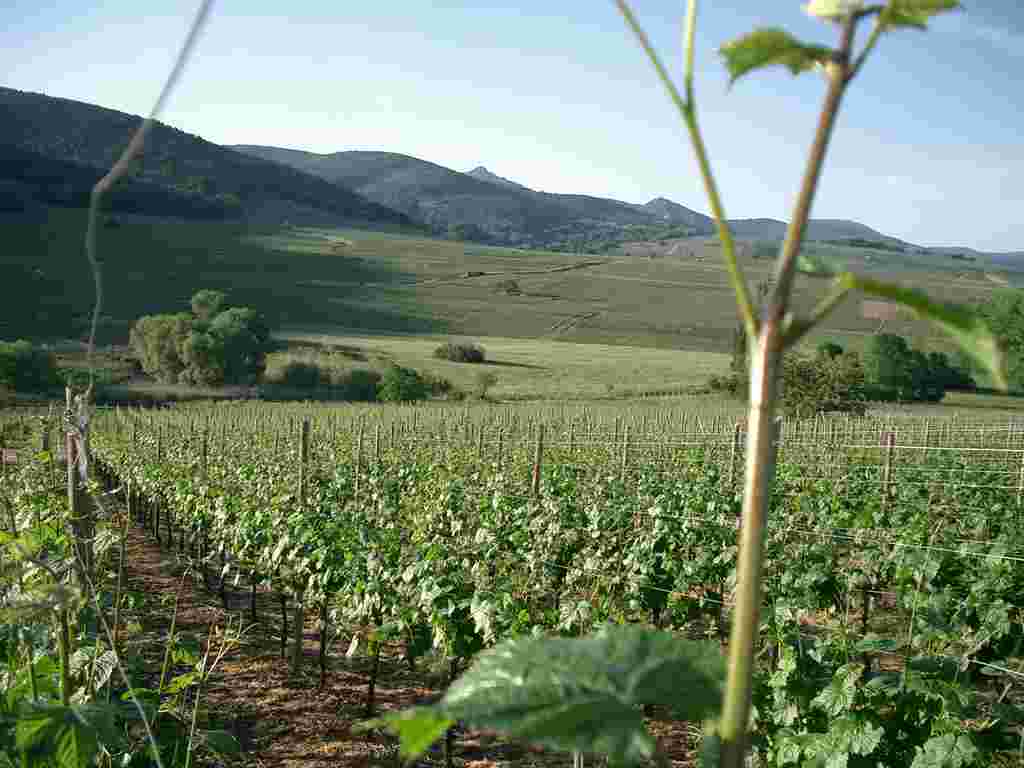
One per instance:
(563,100)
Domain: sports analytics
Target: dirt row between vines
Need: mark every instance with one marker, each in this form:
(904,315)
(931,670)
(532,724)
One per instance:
(287,721)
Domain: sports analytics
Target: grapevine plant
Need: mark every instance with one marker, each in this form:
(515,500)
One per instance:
(582,694)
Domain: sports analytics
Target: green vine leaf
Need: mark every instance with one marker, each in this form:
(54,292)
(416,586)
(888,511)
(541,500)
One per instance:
(968,330)
(771,47)
(67,735)
(947,751)
(838,696)
(578,694)
(914,13)
(416,729)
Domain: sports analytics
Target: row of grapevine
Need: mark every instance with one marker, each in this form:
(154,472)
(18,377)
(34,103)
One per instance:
(73,690)
(903,589)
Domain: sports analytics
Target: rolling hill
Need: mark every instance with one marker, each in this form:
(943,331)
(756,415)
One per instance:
(489,207)
(88,136)
(496,209)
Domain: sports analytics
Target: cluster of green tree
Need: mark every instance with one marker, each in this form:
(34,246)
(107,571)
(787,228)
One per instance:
(308,380)
(897,371)
(30,179)
(605,240)
(460,352)
(859,242)
(835,380)
(27,368)
(214,344)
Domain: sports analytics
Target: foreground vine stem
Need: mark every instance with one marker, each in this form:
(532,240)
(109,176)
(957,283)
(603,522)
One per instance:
(770,335)
(761,443)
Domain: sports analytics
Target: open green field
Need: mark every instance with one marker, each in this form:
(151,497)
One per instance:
(540,368)
(355,282)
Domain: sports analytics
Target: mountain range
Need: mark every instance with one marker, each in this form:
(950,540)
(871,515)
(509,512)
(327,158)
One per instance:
(53,149)
(490,207)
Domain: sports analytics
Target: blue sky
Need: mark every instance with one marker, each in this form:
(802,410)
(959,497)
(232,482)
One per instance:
(557,96)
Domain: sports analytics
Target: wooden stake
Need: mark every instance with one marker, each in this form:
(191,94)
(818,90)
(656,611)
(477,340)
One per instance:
(538,458)
(890,443)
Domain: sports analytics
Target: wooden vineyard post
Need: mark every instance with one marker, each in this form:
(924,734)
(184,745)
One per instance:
(376,444)
(359,460)
(1020,481)
(624,467)
(538,459)
(572,437)
(734,455)
(480,444)
(501,447)
(890,444)
(298,623)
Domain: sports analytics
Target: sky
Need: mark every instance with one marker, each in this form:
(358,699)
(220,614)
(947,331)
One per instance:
(557,96)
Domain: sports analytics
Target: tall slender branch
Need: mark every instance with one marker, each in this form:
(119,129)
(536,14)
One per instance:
(688,111)
(838,79)
(761,440)
(122,166)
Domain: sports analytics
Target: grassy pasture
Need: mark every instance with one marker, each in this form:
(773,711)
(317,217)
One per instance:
(537,368)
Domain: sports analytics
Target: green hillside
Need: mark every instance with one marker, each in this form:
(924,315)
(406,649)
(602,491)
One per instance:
(362,282)
(92,136)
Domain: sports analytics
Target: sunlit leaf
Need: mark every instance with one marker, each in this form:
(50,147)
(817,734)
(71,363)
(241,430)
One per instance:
(181,682)
(771,47)
(914,13)
(968,330)
(585,694)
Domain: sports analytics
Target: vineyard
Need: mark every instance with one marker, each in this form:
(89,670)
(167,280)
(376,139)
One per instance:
(892,633)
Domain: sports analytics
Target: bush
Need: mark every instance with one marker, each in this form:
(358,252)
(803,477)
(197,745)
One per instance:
(26,368)
(829,350)
(211,346)
(357,384)
(484,381)
(301,374)
(440,386)
(202,355)
(460,353)
(509,287)
(245,338)
(402,385)
(157,342)
(812,385)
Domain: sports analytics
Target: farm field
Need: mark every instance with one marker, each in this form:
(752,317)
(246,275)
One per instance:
(415,537)
(349,282)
